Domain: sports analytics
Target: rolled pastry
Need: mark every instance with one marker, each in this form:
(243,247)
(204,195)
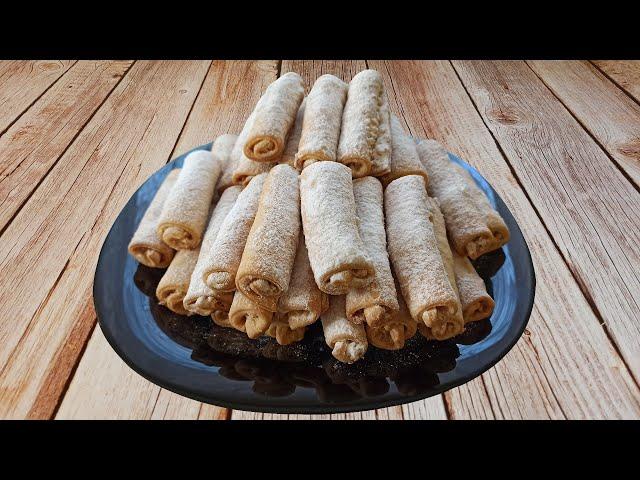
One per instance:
(322,120)
(376,302)
(337,255)
(270,250)
(244,168)
(200,298)
(274,116)
(416,258)
(221,318)
(477,304)
(440,231)
(221,151)
(248,316)
(223,259)
(185,213)
(393,334)
(291,148)
(303,302)
(347,340)
(146,246)
(404,155)
(283,333)
(174,284)
(365,137)
(474,227)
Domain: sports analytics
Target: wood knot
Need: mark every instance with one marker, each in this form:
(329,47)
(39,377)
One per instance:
(504,116)
(183,91)
(49,66)
(631,149)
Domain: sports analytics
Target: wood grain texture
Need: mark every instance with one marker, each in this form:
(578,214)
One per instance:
(600,106)
(591,210)
(564,366)
(22,82)
(101,391)
(104,387)
(49,251)
(310,70)
(227,97)
(626,73)
(35,142)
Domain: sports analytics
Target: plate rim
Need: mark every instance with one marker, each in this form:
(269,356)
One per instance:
(319,408)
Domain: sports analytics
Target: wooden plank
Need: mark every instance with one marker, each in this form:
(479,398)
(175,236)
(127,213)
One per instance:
(626,73)
(104,372)
(49,251)
(310,70)
(34,143)
(226,99)
(600,106)
(565,366)
(590,209)
(106,393)
(429,409)
(22,82)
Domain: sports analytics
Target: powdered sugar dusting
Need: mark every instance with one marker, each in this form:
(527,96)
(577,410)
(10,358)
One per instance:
(473,225)
(271,245)
(274,116)
(330,228)
(321,125)
(146,246)
(365,133)
(186,209)
(381,292)
(226,251)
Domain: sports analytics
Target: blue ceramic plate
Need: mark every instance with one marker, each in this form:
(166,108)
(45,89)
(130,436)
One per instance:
(193,357)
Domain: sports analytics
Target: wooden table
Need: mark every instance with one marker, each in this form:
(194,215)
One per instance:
(560,142)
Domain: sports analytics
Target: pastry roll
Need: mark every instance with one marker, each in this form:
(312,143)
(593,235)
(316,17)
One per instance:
(185,213)
(477,304)
(392,334)
(337,255)
(365,138)
(440,231)
(244,168)
(275,113)
(347,340)
(416,258)
(404,155)
(322,120)
(303,302)
(376,302)
(221,151)
(270,250)
(146,246)
(174,284)
(248,316)
(283,333)
(200,298)
(223,258)
(221,318)
(291,148)
(474,227)
(247,169)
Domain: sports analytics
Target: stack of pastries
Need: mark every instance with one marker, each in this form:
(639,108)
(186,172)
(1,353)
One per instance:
(323,208)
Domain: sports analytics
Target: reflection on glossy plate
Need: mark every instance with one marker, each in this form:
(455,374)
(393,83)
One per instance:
(193,357)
